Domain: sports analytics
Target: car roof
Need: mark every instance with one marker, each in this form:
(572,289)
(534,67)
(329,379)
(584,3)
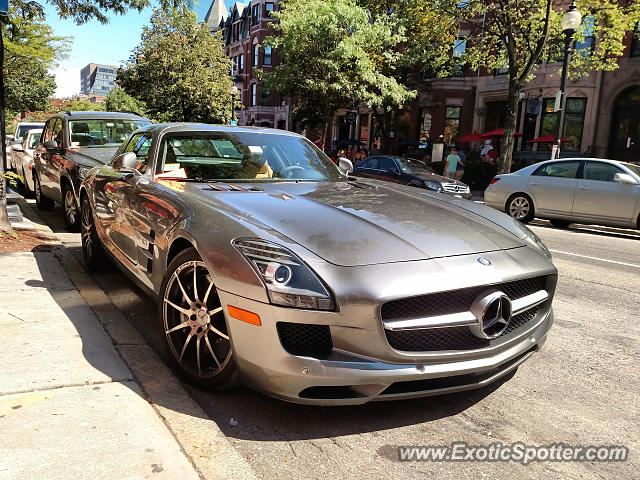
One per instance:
(99,116)
(40,124)
(157,128)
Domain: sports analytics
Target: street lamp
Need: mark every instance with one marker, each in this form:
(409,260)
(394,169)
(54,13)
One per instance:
(234,92)
(570,23)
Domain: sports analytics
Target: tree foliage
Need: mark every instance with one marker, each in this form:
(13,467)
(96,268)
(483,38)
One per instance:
(81,11)
(335,55)
(120,101)
(179,70)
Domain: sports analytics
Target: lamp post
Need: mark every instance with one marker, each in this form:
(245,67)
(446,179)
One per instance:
(234,92)
(570,23)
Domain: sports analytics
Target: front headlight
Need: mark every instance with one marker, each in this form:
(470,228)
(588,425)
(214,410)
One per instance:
(289,281)
(431,185)
(533,240)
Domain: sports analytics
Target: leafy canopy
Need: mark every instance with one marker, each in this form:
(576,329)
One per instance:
(335,55)
(179,69)
(120,101)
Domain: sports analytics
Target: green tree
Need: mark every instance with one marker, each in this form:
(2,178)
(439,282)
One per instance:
(335,55)
(120,101)
(517,35)
(82,106)
(179,70)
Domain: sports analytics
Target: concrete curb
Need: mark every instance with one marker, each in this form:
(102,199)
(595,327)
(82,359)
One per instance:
(201,440)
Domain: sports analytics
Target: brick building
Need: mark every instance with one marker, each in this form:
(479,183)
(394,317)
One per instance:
(244,28)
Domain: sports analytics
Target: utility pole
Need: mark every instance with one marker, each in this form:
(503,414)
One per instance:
(4,217)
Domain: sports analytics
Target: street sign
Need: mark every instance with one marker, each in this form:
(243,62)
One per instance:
(4,7)
(233,123)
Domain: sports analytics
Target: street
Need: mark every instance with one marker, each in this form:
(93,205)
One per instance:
(581,389)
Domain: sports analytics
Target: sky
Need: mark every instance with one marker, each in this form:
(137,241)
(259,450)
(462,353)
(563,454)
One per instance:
(109,44)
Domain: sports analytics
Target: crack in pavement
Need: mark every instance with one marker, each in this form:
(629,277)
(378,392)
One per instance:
(68,385)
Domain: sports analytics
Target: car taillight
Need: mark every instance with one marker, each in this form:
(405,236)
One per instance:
(494,180)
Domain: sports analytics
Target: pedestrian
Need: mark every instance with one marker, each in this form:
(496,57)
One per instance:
(359,156)
(451,165)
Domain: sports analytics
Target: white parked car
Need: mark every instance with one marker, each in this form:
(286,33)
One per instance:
(580,190)
(22,157)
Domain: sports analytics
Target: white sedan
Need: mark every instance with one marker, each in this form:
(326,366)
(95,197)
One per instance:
(22,157)
(580,190)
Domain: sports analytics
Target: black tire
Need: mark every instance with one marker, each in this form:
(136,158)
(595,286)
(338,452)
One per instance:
(197,326)
(42,202)
(520,206)
(93,254)
(70,210)
(559,223)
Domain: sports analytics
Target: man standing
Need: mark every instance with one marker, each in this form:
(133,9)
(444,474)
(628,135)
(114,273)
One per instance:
(451,166)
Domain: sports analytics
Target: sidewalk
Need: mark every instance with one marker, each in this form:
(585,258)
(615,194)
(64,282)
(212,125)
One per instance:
(70,407)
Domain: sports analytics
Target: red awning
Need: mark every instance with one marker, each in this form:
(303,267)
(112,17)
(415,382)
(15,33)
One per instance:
(472,137)
(498,133)
(548,138)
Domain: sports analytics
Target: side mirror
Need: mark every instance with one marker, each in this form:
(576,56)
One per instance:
(621,178)
(345,165)
(51,145)
(17,147)
(126,163)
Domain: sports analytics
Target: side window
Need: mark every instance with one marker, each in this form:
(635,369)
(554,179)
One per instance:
(371,163)
(48,129)
(57,132)
(600,171)
(386,163)
(558,169)
(140,145)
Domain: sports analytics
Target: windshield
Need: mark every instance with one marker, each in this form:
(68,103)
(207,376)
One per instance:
(634,168)
(23,129)
(33,141)
(246,156)
(408,165)
(102,133)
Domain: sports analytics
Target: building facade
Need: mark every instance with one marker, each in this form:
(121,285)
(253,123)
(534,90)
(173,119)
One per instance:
(97,79)
(244,28)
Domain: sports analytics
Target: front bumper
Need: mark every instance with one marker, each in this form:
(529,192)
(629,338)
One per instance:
(362,365)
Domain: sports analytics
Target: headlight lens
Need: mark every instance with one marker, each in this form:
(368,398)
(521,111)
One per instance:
(289,281)
(533,240)
(431,185)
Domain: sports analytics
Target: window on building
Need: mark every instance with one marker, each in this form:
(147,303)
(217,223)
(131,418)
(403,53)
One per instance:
(256,54)
(585,47)
(265,99)
(241,63)
(268,8)
(267,55)
(459,49)
(635,42)
(531,112)
(254,95)
(574,123)
(255,16)
(451,123)
(549,120)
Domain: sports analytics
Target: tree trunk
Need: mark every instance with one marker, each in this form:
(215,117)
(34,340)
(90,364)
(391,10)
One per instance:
(5,225)
(506,149)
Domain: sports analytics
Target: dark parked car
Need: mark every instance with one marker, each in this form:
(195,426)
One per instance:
(71,144)
(409,172)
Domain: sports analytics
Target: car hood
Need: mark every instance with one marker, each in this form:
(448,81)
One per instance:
(92,157)
(438,178)
(356,223)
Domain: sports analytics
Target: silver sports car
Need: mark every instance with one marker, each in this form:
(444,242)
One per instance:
(273,267)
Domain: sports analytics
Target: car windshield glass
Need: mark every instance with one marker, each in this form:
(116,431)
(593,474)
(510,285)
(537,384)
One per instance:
(33,141)
(102,133)
(408,165)
(634,168)
(23,129)
(246,156)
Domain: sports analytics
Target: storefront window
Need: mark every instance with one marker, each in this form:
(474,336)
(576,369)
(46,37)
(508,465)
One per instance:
(532,110)
(635,42)
(549,120)
(573,123)
(451,124)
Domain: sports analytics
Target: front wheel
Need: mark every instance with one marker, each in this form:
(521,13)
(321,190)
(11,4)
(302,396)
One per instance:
(71,214)
(193,324)
(520,207)
(93,254)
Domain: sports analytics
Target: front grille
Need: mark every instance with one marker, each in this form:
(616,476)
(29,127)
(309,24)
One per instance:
(454,188)
(456,301)
(454,338)
(304,339)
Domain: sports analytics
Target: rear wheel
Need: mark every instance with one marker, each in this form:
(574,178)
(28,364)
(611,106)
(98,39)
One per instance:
(71,213)
(520,207)
(42,202)
(93,253)
(193,324)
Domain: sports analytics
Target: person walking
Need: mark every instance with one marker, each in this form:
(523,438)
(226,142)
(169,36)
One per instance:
(451,166)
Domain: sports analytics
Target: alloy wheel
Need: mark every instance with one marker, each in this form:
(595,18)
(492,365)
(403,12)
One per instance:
(70,209)
(194,322)
(85,230)
(519,208)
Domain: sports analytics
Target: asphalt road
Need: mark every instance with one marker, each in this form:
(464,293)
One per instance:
(581,389)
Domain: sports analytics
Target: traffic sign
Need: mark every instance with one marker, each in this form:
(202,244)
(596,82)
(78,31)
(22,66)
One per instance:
(4,7)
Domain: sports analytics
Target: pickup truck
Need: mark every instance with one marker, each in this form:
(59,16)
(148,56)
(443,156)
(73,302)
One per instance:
(71,144)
